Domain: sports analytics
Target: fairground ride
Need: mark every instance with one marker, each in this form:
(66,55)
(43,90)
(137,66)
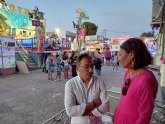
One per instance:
(25,25)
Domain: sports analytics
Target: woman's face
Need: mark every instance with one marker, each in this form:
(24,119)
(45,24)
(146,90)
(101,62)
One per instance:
(125,58)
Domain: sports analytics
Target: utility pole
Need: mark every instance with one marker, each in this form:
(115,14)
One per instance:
(104,33)
(162,79)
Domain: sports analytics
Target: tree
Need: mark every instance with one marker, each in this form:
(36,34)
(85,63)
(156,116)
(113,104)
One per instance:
(91,28)
(146,34)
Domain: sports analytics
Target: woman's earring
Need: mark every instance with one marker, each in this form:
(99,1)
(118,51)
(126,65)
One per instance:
(132,62)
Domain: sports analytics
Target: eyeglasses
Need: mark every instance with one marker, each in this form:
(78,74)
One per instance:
(87,67)
(125,88)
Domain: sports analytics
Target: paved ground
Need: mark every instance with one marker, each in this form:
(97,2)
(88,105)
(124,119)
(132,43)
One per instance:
(32,99)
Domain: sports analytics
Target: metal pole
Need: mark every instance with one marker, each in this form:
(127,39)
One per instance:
(162,78)
(78,36)
(105,33)
(84,34)
(77,39)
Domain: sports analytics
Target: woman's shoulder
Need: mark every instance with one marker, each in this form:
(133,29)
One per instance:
(149,82)
(148,74)
(145,74)
(147,78)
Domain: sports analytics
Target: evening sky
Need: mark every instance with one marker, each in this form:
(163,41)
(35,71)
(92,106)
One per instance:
(116,17)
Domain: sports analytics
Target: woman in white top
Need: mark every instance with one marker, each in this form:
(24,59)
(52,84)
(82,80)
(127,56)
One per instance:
(65,66)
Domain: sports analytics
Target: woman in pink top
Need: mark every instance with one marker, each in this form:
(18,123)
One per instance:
(107,56)
(140,86)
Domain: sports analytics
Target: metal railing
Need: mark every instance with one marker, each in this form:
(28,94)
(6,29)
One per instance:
(114,99)
(22,49)
(59,118)
(159,112)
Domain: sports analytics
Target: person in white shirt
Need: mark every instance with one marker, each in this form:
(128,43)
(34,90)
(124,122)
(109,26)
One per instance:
(86,97)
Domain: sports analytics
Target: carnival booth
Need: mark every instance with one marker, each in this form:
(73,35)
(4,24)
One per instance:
(94,42)
(7,55)
(25,25)
(116,42)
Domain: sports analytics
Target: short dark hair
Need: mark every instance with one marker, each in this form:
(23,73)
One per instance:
(57,55)
(142,56)
(82,56)
(65,57)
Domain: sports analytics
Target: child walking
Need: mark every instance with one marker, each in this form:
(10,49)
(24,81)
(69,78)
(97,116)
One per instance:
(58,68)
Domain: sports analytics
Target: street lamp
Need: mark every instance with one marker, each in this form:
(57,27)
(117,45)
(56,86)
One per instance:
(57,31)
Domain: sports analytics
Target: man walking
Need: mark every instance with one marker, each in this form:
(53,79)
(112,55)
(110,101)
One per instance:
(86,97)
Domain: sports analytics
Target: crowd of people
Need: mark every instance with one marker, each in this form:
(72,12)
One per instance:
(58,63)
(64,61)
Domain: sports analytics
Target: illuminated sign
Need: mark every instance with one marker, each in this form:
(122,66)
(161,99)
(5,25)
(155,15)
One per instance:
(116,42)
(37,23)
(16,9)
(91,38)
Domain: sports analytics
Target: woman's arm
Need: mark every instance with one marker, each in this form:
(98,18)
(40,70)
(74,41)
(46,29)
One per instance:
(147,101)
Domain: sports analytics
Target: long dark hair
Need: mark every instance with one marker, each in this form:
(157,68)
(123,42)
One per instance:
(142,56)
